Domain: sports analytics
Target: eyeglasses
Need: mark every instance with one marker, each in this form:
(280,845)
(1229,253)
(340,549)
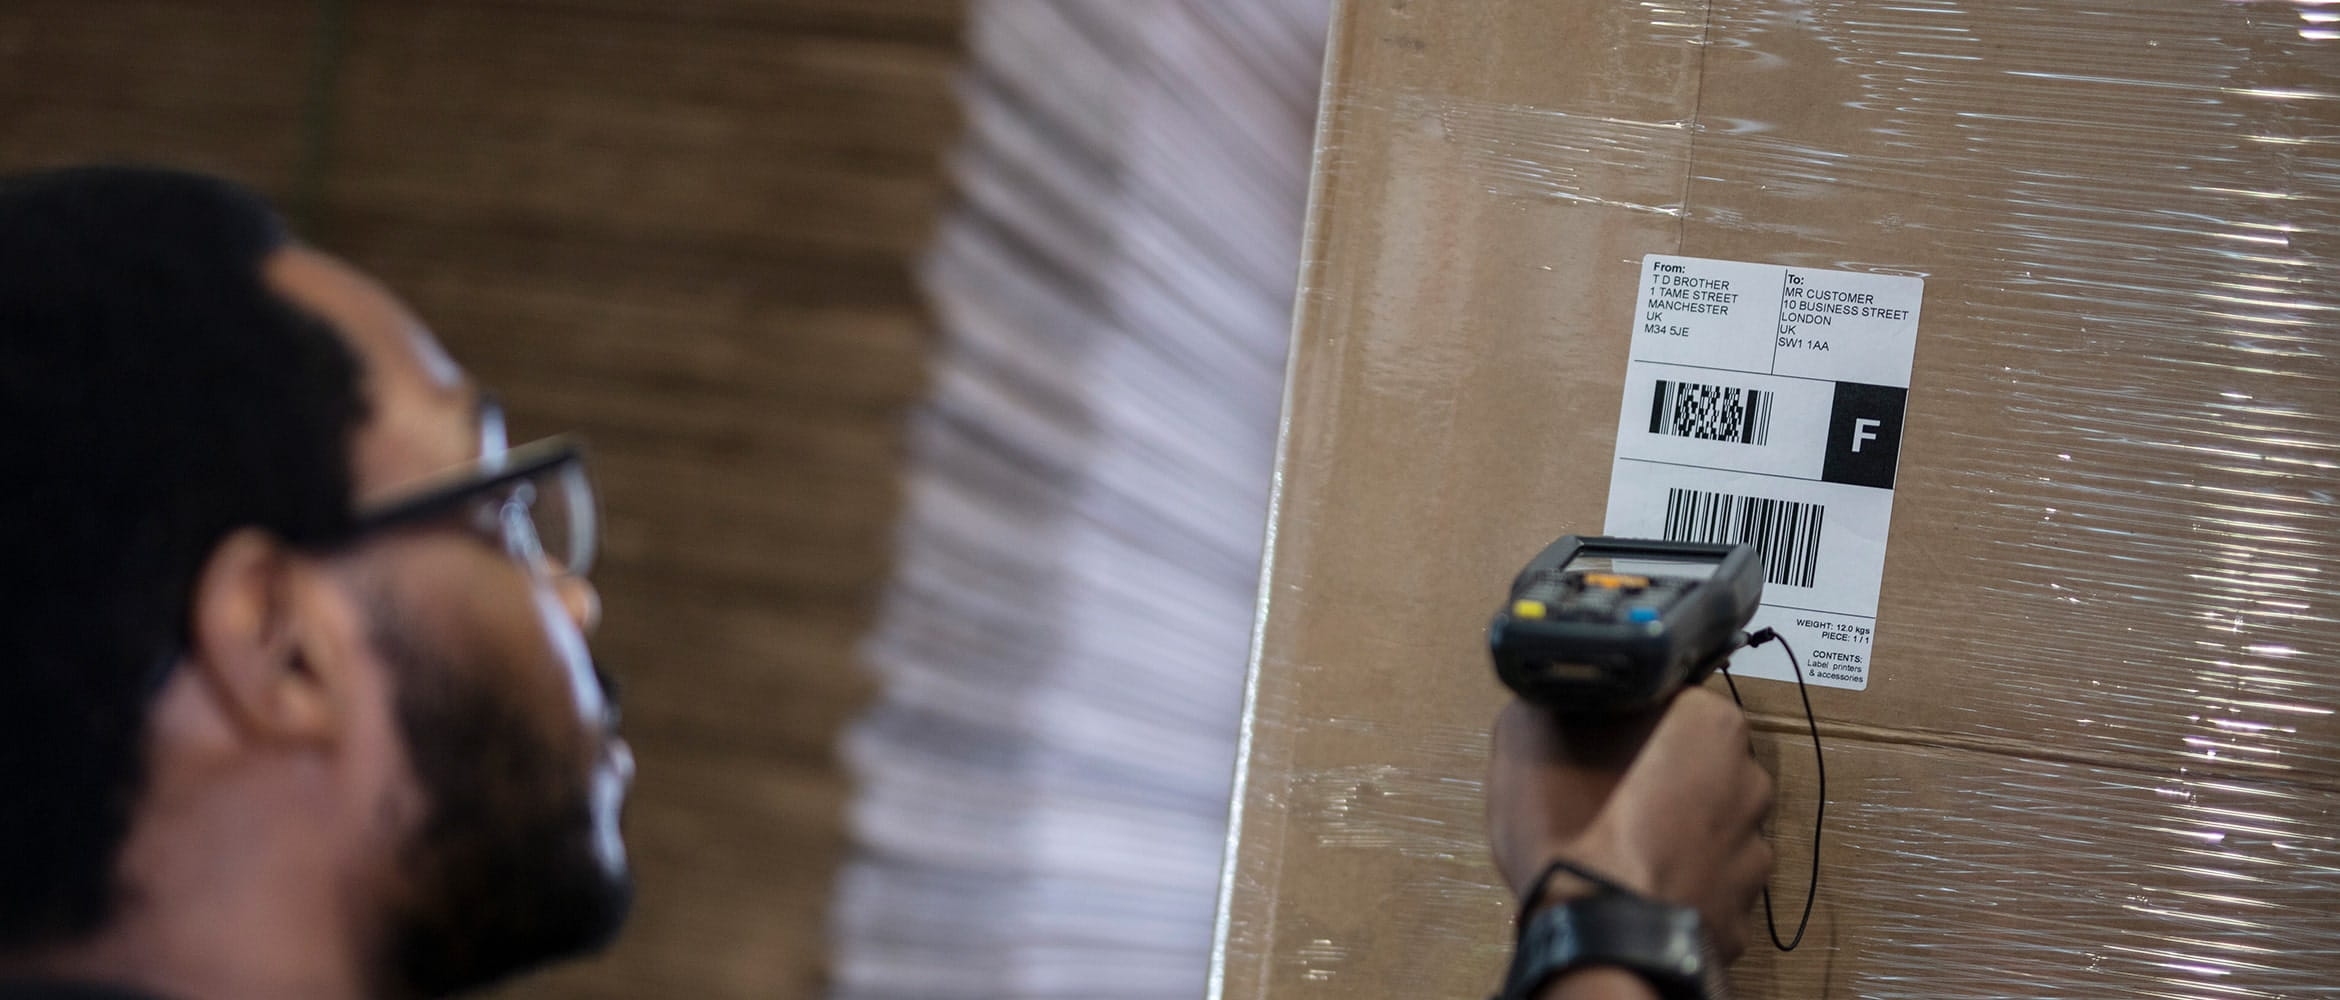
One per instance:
(535,499)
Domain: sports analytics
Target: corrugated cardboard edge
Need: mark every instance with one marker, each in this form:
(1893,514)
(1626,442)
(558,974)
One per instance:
(1247,735)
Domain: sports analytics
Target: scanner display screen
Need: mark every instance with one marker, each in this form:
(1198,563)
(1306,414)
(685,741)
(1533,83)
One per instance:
(1687,569)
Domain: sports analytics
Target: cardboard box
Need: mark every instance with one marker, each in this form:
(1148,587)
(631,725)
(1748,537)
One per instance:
(2097,749)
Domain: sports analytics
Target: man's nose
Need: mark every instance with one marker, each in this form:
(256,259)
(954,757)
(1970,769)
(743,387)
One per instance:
(581,601)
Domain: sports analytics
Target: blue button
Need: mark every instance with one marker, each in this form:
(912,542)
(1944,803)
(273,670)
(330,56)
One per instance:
(1641,615)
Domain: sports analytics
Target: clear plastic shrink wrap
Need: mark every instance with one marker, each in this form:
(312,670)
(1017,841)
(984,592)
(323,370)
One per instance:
(2096,753)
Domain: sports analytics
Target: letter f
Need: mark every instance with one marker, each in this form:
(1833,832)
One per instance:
(1864,429)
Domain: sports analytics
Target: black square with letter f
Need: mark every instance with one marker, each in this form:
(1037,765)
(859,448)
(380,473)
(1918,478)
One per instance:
(1864,435)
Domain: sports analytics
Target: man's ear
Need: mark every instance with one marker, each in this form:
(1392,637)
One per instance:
(251,646)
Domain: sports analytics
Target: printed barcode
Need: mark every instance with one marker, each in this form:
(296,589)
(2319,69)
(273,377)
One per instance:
(1786,534)
(1710,412)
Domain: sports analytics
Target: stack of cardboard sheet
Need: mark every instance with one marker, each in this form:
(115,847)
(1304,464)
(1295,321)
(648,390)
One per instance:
(1043,785)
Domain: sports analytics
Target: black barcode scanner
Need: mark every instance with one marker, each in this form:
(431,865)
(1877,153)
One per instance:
(1613,626)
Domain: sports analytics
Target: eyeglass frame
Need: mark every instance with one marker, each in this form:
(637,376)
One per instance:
(482,477)
(498,466)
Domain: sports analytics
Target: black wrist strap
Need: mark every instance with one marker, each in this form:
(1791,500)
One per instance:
(1663,944)
(1537,889)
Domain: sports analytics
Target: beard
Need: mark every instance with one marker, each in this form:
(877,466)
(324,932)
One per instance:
(503,871)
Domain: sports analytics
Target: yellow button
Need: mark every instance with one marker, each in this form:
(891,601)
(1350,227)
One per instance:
(1528,609)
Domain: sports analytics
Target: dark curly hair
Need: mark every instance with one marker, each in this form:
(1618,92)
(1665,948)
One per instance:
(155,395)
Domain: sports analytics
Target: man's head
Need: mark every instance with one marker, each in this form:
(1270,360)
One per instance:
(263,547)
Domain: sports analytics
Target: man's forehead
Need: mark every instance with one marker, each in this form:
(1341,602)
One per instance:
(424,412)
(382,329)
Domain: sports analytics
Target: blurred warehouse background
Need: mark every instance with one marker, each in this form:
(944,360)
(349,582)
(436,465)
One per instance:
(1041,795)
(718,238)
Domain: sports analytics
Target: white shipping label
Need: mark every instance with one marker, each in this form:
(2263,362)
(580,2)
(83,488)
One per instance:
(1763,405)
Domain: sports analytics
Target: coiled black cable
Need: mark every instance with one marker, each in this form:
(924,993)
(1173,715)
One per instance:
(1819,811)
